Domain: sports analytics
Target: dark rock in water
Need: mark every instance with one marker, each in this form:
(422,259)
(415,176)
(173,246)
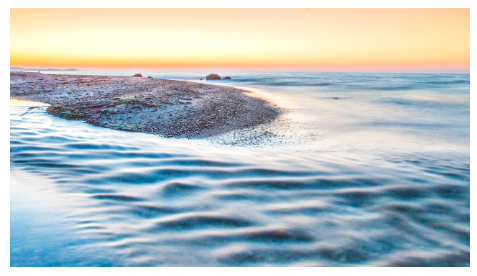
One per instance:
(227,78)
(201,79)
(213,77)
(149,77)
(138,75)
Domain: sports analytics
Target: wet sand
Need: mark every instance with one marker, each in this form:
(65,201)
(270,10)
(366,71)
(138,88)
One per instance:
(168,108)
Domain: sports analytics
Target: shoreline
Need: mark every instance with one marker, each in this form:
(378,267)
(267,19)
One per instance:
(170,108)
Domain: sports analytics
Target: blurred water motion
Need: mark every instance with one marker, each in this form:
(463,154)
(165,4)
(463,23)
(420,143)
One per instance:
(361,169)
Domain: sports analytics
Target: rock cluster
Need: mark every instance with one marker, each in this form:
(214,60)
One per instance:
(138,75)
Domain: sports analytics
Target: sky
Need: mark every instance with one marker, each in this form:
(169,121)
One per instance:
(414,40)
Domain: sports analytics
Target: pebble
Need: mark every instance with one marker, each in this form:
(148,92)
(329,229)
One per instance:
(193,110)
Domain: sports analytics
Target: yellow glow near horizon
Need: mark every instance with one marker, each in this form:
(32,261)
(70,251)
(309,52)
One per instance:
(241,38)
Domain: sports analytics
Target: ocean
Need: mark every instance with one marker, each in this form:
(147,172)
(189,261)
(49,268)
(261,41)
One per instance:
(361,169)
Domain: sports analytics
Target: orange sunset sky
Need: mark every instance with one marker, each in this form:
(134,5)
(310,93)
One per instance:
(310,39)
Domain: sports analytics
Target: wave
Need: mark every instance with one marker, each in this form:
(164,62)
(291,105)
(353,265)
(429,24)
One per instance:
(148,201)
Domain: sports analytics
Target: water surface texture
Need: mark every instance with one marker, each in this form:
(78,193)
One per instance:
(360,170)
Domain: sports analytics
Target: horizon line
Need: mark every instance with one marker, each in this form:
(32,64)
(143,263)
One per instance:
(293,69)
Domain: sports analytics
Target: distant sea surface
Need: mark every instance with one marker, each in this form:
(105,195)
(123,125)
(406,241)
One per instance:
(361,169)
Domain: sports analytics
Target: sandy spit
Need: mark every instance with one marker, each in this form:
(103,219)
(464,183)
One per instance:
(167,108)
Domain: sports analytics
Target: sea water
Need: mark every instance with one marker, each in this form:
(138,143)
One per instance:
(360,169)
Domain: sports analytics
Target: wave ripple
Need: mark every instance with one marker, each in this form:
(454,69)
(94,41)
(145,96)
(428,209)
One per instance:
(149,201)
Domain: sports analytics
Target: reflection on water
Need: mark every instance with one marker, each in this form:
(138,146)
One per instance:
(382,179)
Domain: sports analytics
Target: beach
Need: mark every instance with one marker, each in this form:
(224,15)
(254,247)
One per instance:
(221,137)
(164,107)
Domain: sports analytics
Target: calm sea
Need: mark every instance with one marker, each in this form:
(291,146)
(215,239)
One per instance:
(361,169)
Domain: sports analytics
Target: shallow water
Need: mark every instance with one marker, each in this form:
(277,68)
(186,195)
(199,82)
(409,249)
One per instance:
(361,169)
